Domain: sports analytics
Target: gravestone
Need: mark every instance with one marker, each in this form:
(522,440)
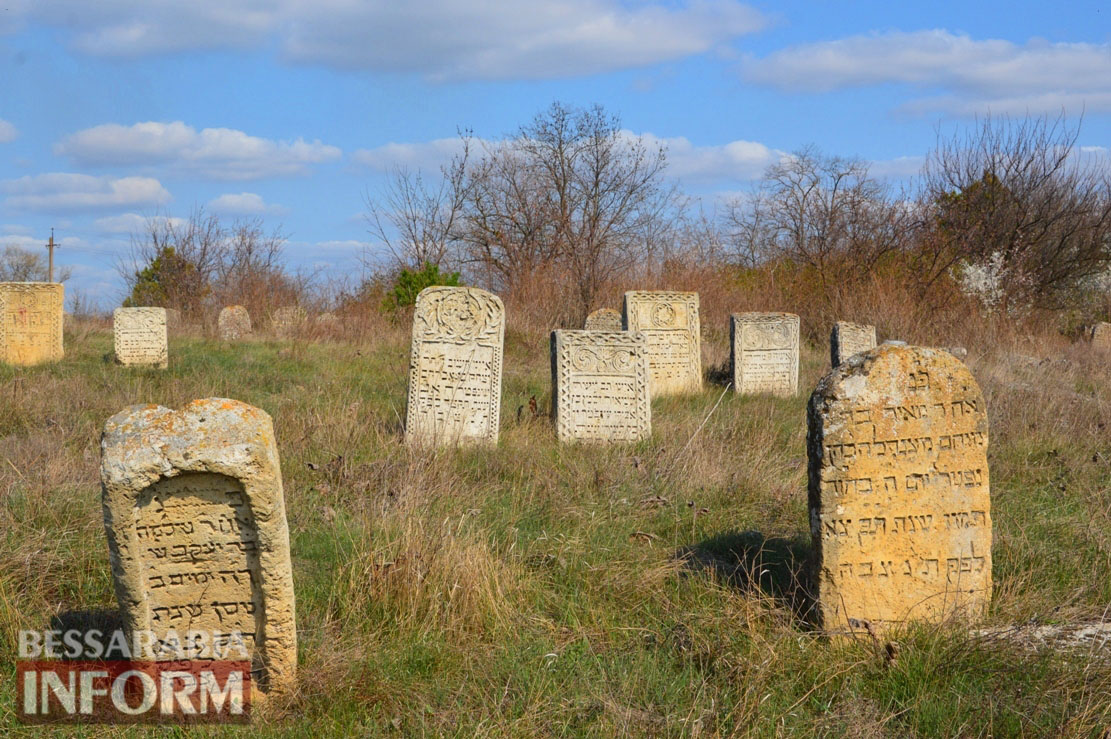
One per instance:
(288,319)
(140,337)
(30,322)
(455,367)
(1101,336)
(234,323)
(765,353)
(600,386)
(196,526)
(848,339)
(900,513)
(603,319)
(672,334)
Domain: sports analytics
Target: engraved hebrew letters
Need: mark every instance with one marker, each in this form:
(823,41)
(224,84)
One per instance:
(765,353)
(600,386)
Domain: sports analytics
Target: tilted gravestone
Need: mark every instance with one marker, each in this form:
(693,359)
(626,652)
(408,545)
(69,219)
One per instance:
(31,322)
(455,366)
(673,337)
(765,353)
(140,337)
(900,513)
(197,534)
(603,319)
(234,323)
(848,339)
(600,386)
(1101,336)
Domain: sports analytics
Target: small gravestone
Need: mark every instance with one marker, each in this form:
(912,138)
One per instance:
(600,386)
(765,353)
(848,339)
(196,526)
(900,512)
(30,322)
(1101,337)
(234,323)
(603,319)
(958,351)
(672,334)
(140,337)
(288,320)
(455,366)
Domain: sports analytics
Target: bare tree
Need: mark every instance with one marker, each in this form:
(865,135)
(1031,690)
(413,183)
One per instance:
(416,221)
(22,265)
(822,212)
(570,193)
(1017,196)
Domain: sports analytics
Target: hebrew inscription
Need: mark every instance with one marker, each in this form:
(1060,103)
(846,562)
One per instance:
(455,367)
(600,386)
(196,527)
(234,323)
(900,510)
(1101,336)
(672,334)
(603,319)
(765,353)
(848,339)
(140,336)
(30,322)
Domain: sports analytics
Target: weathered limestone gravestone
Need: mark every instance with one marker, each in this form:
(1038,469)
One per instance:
(765,353)
(1101,336)
(140,337)
(234,323)
(197,535)
(848,339)
(288,319)
(30,322)
(603,319)
(900,512)
(455,366)
(673,337)
(600,386)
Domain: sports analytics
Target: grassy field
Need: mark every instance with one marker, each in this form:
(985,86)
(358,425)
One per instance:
(536,589)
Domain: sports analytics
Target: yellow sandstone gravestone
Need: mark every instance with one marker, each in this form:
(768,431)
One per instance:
(600,386)
(30,322)
(603,319)
(900,511)
(196,526)
(139,336)
(672,332)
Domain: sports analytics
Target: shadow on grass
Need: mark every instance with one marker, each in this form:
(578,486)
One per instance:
(750,562)
(105,620)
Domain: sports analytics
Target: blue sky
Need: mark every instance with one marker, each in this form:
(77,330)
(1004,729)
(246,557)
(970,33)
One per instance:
(115,111)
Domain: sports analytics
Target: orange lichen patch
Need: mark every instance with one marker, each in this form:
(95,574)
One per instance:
(899,491)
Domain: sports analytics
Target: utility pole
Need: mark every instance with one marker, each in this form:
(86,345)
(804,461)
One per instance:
(50,249)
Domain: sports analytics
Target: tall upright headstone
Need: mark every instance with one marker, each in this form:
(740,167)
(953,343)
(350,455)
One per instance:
(603,319)
(600,386)
(234,323)
(765,353)
(848,339)
(31,322)
(1101,336)
(900,510)
(455,367)
(197,534)
(673,335)
(140,337)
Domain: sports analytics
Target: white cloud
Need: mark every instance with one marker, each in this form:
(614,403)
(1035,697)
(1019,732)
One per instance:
(128,223)
(427,156)
(243,204)
(980,75)
(494,39)
(8,132)
(63,191)
(220,153)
